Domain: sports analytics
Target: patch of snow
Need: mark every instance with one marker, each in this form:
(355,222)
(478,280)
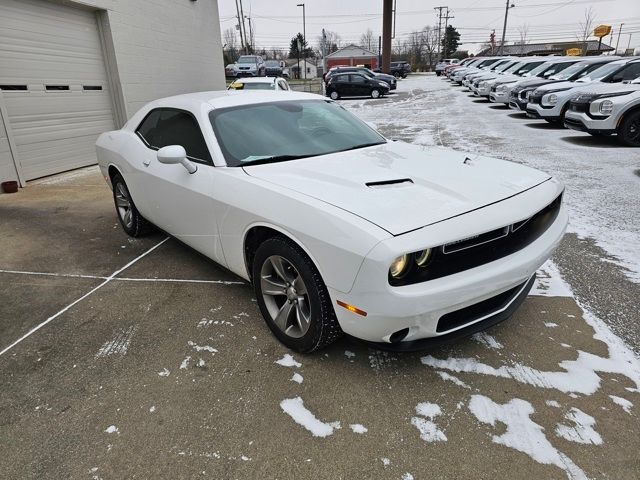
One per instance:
(112,429)
(201,363)
(487,340)
(185,363)
(164,373)
(294,407)
(429,432)
(552,403)
(119,344)
(522,433)
(623,402)
(288,361)
(385,461)
(549,283)
(199,348)
(581,431)
(349,354)
(565,345)
(452,378)
(152,409)
(358,428)
(550,324)
(407,476)
(244,458)
(297,378)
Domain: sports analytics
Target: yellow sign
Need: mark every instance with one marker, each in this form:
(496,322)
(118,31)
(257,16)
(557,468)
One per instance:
(602,31)
(574,52)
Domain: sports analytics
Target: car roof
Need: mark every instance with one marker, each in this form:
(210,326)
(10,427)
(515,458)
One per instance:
(256,80)
(229,98)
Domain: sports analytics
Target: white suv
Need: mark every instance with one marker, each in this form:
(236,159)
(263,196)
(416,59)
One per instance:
(250,66)
(607,109)
(443,63)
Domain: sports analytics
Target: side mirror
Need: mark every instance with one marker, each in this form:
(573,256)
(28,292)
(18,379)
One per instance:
(173,154)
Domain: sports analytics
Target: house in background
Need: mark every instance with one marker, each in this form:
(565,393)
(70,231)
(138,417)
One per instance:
(549,48)
(352,55)
(296,71)
(70,70)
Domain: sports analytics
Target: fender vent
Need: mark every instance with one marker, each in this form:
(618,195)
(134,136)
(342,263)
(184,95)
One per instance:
(388,183)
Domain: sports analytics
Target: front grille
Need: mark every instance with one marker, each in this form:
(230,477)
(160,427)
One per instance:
(536,99)
(485,248)
(466,315)
(579,107)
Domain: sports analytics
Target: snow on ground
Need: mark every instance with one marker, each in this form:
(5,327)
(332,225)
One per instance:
(288,361)
(581,431)
(522,433)
(294,407)
(601,188)
(429,431)
(623,402)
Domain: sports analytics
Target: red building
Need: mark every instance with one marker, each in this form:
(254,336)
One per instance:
(352,55)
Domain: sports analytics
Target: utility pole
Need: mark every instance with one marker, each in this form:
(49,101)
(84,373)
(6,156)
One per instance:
(504,27)
(439,29)
(244,30)
(304,39)
(387,18)
(619,32)
(446,25)
(240,25)
(250,33)
(380,52)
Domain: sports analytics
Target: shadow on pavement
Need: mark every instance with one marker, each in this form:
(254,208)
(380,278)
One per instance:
(592,141)
(545,126)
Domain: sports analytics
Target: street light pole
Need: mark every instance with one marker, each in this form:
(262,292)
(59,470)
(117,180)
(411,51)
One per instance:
(504,27)
(304,39)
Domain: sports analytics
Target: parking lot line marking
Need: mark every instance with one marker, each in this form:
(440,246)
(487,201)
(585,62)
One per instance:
(56,315)
(50,274)
(124,279)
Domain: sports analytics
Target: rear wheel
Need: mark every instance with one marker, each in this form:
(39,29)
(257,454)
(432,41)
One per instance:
(375,93)
(396,74)
(629,130)
(132,222)
(334,95)
(292,297)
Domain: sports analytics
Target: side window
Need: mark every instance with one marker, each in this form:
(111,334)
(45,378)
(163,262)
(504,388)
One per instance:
(590,69)
(168,126)
(629,72)
(357,79)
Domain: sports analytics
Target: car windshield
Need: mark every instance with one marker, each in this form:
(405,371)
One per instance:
(601,72)
(514,67)
(569,72)
(505,65)
(540,68)
(287,130)
(247,60)
(272,63)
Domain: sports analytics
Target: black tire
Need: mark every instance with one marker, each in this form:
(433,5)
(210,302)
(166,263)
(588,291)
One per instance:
(404,75)
(137,225)
(629,129)
(375,93)
(334,95)
(438,74)
(396,74)
(323,325)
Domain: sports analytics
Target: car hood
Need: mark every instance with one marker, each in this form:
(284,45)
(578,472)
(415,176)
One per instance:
(401,187)
(601,87)
(533,82)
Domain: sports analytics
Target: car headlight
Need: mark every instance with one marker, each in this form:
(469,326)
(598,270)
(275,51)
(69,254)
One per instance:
(399,266)
(552,99)
(606,107)
(501,89)
(383,84)
(422,258)
(482,84)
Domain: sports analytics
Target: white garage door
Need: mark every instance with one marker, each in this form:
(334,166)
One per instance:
(54,84)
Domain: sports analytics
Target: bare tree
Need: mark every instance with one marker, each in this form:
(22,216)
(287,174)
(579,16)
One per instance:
(231,49)
(367,39)
(524,32)
(430,36)
(333,42)
(586,28)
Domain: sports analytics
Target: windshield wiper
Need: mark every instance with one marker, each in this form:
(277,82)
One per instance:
(272,159)
(363,145)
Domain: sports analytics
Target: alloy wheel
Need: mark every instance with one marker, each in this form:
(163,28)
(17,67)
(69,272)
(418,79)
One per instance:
(123,204)
(285,296)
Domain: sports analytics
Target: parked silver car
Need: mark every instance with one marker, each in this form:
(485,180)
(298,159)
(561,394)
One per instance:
(250,66)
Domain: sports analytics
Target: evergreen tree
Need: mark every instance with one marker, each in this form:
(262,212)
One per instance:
(450,41)
(293,47)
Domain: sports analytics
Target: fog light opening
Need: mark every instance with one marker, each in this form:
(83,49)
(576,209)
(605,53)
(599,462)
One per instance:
(399,335)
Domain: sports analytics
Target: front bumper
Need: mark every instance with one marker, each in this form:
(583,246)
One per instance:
(419,309)
(498,97)
(581,121)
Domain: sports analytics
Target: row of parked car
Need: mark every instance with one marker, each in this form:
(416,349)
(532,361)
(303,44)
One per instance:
(256,66)
(597,95)
(347,81)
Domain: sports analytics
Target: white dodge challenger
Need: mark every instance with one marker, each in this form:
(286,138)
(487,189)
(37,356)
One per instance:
(337,228)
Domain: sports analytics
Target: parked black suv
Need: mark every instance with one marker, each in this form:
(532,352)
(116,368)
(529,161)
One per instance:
(355,85)
(391,80)
(400,69)
(273,68)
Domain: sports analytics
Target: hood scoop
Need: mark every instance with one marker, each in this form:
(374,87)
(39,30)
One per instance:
(399,182)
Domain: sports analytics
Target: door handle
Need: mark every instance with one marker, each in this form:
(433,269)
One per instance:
(146,163)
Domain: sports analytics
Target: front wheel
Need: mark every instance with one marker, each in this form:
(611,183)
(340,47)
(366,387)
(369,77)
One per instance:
(629,130)
(292,297)
(132,222)
(334,95)
(375,93)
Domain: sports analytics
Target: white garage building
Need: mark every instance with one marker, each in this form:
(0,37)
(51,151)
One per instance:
(70,70)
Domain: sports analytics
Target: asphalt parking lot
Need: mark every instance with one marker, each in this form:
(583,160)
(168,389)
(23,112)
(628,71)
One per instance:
(149,361)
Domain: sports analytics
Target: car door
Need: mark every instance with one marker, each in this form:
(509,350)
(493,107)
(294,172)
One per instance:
(359,85)
(177,201)
(341,84)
